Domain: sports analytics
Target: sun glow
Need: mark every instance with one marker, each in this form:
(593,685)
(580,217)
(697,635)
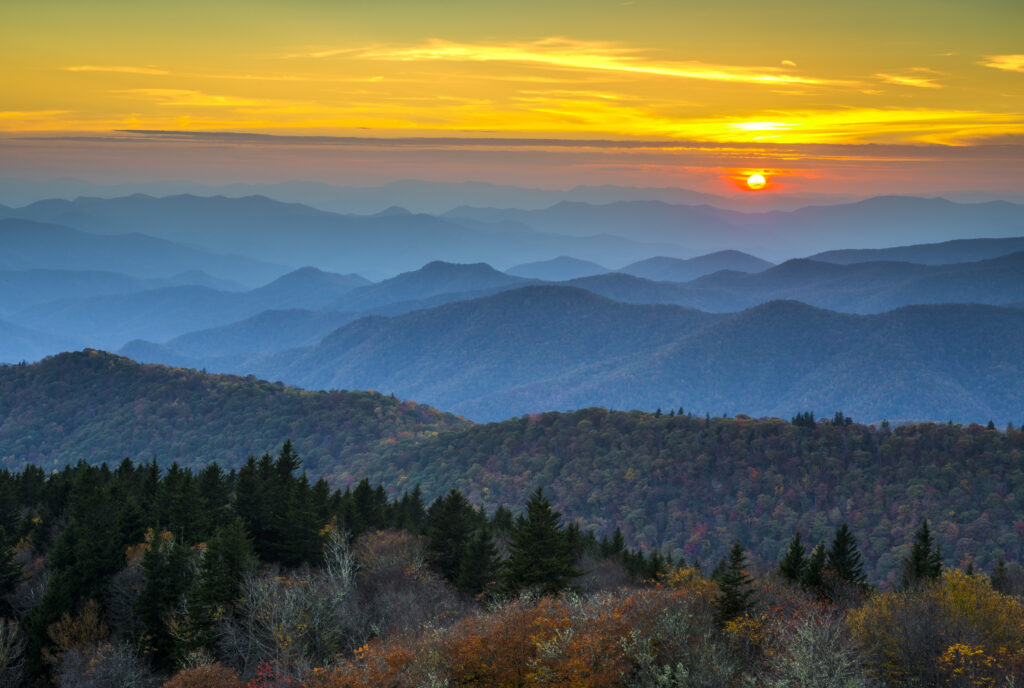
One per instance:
(756,181)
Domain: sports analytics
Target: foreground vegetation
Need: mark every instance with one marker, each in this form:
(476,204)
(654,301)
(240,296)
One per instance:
(136,576)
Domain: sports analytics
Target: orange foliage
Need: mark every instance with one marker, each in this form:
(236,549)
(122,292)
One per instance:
(564,641)
(211,676)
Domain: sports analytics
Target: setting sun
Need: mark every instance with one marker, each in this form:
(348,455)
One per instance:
(756,181)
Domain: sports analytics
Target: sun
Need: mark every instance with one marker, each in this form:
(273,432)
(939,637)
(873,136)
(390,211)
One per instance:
(756,181)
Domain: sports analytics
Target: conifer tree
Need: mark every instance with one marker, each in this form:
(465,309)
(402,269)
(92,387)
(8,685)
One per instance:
(733,580)
(479,564)
(924,562)
(450,523)
(794,563)
(844,558)
(814,568)
(541,557)
(10,570)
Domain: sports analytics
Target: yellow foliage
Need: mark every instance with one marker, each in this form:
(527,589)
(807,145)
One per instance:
(981,629)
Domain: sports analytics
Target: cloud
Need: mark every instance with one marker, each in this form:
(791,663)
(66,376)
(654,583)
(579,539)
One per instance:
(915,81)
(788,63)
(564,53)
(176,96)
(122,70)
(1009,63)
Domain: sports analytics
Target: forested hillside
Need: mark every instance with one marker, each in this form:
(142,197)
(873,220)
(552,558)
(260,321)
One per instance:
(681,484)
(93,406)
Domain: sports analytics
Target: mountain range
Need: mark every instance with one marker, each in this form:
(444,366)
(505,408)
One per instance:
(557,347)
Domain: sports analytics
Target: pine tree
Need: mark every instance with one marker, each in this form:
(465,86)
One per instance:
(541,557)
(737,596)
(844,559)
(479,564)
(165,567)
(793,564)
(814,569)
(10,570)
(924,562)
(450,523)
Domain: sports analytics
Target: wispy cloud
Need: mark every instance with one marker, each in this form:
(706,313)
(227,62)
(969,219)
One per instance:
(565,53)
(175,96)
(915,81)
(120,69)
(1009,63)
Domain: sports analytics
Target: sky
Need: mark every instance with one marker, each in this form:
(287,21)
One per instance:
(858,98)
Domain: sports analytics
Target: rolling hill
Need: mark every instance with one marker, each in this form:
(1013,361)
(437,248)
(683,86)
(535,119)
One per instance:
(663,269)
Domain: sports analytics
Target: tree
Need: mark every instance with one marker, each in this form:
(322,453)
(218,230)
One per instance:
(479,563)
(450,522)
(793,564)
(814,569)
(541,557)
(924,562)
(733,580)
(844,558)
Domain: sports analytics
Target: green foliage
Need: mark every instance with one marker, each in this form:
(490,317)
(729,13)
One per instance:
(794,564)
(924,562)
(541,555)
(844,558)
(737,598)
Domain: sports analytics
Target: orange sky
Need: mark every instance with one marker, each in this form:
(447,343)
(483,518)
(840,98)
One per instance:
(866,97)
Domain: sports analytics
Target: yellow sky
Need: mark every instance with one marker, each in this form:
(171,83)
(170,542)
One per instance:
(937,73)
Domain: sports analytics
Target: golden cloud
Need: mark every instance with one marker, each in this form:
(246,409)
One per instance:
(1009,63)
(564,53)
(915,81)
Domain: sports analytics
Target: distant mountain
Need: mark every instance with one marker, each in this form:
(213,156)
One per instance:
(224,348)
(867,287)
(307,287)
(102,407)
(23,289)
(26,245)
(377,245)
(776,235)
(558,269)
(23,344)
(663,269)
(454,353)
(957,251)
(418,196)
(433,279)
(548,347)
(157,315)
(960,362)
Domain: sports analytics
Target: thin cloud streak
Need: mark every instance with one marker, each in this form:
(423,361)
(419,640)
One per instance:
(580,55)
(915,81)
(121,70)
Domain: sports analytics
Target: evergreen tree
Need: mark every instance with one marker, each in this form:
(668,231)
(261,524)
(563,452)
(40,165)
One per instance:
(10,570)
(793,564)
(814,568)
(479,564)
(844,558)
(227,558)
(924,562)
(450,524)
(733,580)
(165,566)
(541,557)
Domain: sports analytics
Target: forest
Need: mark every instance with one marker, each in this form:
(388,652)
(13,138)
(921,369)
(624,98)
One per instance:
(683,484)
(256,576)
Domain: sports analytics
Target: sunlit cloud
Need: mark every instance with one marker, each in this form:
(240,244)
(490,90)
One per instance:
(788,63)
(915,81)
(566,53)
(1009,63)
(119,69)
(175,96)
